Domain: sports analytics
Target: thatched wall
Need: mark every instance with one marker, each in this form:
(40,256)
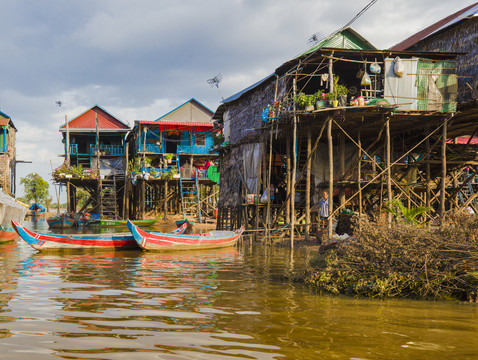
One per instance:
(462,38)
(244,115)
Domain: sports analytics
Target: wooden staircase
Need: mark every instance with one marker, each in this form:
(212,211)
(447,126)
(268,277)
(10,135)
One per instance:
(108,202)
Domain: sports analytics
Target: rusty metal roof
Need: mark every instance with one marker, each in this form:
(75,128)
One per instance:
(436,27)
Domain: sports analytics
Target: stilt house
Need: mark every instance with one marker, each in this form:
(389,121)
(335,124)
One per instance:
(171,156)
(366,125)
(7,154)
(95,161)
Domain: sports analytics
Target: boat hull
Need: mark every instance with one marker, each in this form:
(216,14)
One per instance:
(117,241)
(105,222)
(7,234)
(171,242)
(90,241)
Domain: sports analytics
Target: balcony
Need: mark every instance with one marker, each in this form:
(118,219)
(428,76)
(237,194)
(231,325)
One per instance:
(108,150)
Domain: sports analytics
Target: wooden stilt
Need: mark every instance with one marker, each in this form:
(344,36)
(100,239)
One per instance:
(443,169)
(307,185)
(166,199)
(359,176)
(427,169)
(341,167)
(331,175)
(294,169)
(389,173)
(289,175)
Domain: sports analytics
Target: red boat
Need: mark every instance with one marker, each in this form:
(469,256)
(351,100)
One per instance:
(40,241)
(164,241)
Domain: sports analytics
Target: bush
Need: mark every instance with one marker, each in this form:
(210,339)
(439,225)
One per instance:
(405,261)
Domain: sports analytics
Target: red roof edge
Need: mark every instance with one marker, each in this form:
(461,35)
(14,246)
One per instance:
(412,40)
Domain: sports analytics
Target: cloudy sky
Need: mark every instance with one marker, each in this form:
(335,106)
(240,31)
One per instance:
(140,59)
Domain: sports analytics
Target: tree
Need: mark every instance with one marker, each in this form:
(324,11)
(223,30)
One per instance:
(35,188)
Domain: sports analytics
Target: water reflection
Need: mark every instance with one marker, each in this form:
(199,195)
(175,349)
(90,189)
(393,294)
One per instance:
(231,303)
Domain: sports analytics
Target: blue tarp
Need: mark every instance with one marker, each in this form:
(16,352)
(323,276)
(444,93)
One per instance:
(37,207)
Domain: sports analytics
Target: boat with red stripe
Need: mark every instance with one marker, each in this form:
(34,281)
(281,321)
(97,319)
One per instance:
(164,241)
(43,241)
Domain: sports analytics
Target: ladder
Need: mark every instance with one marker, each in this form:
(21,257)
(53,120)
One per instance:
(108,197)
(190,202)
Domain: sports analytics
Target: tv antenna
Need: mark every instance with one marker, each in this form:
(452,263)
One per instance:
(215,82)
(315,38)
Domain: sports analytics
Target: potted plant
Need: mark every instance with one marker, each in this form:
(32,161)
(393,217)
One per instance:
(305,102)
(320,99)
(330,98)
(342,92)
(168,158)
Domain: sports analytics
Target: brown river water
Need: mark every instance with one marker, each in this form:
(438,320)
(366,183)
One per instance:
(232,303)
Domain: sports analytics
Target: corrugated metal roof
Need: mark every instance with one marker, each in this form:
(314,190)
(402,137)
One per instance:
(346,38)
(436,27)
(87,121)
(175,125)
(191,100)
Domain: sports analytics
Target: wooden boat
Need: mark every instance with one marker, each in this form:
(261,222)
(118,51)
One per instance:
(60,221)
(41,241)
(7,234)
(10,210)
(107,222)
(163,241)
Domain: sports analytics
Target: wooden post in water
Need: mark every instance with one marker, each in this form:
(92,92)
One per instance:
(359,177)
(307,185)
(331,175)
(443,169)
(341,167)
(165,199)
(126,186)
(294,169)
(289,176)
(389,173)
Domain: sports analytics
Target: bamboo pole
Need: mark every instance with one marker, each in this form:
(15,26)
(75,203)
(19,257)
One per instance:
(427,169)
(341,167)
(389,173)
(166,199)
(331,175)
(294,169)
(126,183)
(307,185)
(268,211)
(67,141)
(359,175)
(443,169)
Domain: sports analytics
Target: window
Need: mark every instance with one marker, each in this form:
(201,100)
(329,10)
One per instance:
(200,139)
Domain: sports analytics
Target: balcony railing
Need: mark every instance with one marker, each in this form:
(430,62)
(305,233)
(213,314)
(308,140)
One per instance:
(73,149)
(113,150)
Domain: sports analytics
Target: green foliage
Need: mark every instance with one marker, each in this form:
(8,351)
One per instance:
(402,213)
(35,188)
(168,156)
(218,139)
(135,165)
(303,100)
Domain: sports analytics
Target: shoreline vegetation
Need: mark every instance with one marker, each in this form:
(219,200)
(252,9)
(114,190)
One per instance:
(404,261)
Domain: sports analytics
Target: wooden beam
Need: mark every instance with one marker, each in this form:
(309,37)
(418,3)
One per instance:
(443,169)
(307,185)
(331,175)
(389,173)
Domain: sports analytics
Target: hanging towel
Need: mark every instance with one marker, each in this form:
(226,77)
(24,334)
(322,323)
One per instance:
(324,78)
